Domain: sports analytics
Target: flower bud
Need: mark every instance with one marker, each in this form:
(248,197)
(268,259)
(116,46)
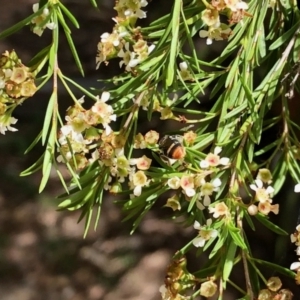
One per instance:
(274,284)
(208,289)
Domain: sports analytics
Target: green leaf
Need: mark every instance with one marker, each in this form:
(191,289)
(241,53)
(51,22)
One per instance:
(174,42)
(69,15)
(94,3)
(248,93)
(275,267)
(233,71)
(48,116)
(296,50)
(153,60)
(267,148)
(39,56)
(263,219)
(237,237)
(229,260)
(34,167)
(280,172)
(74,52)
(206,272)
(236,111)
(47,165)
(220,243)
(249,221)
(88,219)
(284,37)
(35,141)
(62,22)
(78,199)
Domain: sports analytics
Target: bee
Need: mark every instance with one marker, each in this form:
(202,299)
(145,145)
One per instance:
(172,147)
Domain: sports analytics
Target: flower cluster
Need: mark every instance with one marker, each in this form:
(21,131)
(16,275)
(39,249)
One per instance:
(274,291)
(235,11)
(16,85)
(41,21)
(199,184)
(127,44)
(205,233)
(77,135)
(263,194)
(295,238)
(177,280)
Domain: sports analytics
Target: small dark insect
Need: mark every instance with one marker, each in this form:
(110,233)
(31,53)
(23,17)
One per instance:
(171,146)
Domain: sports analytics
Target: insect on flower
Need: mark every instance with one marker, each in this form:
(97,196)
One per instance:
(172,147)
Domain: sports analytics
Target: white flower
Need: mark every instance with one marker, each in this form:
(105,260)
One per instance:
(137,181)
(205,233)
(220,209)
(213,159)
(208,188)
(187,184)
(129,58)
(262,194)
(174,183)
(215,33)
(5,122)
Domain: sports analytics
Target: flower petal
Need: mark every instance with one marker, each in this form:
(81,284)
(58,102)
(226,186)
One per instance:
(297,188)
(197,225)
(199,242)
(295,265)
(224,161)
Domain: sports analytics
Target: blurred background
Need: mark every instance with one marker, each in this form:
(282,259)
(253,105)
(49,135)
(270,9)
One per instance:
(43,255)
